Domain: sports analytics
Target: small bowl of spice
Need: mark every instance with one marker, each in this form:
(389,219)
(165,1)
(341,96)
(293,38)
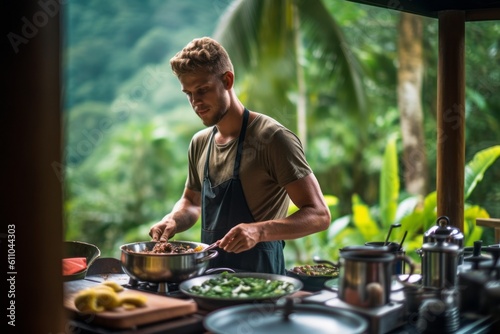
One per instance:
(314,276)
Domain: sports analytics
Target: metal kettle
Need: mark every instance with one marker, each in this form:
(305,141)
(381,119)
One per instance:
(451,234)
(440,263)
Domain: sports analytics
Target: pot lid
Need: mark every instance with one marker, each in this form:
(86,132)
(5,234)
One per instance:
(443,227)
(440,246)
(270,318)
(367,256)
(365,248)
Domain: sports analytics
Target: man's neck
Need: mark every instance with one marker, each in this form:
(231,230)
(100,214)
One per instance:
(229,126)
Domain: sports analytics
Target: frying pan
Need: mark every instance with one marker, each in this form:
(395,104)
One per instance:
(267,318)
(161,268)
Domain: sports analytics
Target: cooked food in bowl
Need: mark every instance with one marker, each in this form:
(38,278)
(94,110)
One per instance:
(263,287)
(316,270)
(170,248)
(227,285)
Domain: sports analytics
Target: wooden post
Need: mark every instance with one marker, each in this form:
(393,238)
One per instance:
(451,117)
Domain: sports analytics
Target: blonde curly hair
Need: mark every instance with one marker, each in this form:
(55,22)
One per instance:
(201,54)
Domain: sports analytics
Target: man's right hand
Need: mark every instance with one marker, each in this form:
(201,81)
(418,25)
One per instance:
(163,230)
(182,217)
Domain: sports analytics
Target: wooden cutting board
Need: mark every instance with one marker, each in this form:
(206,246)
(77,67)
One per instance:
(157,308)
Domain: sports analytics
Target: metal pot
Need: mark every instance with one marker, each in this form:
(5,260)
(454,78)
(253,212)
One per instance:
(451,234)
(394,248)
(365,278)
(440,263)
(415,295)
(213,303)
(160,268)
(472,285)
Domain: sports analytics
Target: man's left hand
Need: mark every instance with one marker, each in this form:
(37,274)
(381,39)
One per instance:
(240,238)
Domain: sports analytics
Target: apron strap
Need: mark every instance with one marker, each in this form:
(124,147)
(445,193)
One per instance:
(205,171)
(243,131)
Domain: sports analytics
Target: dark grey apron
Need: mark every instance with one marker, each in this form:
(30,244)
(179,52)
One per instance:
(224,207)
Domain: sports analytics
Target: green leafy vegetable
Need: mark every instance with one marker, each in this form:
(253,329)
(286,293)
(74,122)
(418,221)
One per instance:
(227,285)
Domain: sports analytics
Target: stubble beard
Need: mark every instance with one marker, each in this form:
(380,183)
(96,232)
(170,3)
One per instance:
(216,118)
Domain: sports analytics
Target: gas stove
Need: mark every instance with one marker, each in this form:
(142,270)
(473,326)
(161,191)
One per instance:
(111,269)
(169,289)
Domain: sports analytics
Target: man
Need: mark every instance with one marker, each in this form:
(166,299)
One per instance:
(243,170)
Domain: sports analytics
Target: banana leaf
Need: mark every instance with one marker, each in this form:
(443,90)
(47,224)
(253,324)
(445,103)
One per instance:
(475,169)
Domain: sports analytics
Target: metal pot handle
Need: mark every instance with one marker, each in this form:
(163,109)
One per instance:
(211,255)
(410,263)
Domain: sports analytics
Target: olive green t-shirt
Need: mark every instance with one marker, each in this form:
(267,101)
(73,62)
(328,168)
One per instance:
(272,157)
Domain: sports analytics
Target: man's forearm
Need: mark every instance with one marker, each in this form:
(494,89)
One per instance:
(185,214)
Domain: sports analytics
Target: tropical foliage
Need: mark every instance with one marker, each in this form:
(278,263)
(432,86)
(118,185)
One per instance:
(414,214)
(128,126)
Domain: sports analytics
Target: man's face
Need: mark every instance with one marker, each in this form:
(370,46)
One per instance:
(207,95)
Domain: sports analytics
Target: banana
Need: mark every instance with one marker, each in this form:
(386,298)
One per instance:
(115,286)
(133,300)
(107,299)
(86,302)
(102,287)
(104,297)
(83,299)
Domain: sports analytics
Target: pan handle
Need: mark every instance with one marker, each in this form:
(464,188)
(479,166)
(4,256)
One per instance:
(212,254)
(217,270)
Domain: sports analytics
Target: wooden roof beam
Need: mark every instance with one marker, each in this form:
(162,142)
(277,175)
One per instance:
(475,10)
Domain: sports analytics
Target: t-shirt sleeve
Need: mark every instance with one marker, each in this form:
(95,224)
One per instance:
(287,158)
(193,181)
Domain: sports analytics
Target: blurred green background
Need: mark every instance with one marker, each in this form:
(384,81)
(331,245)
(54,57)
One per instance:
(332,71)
